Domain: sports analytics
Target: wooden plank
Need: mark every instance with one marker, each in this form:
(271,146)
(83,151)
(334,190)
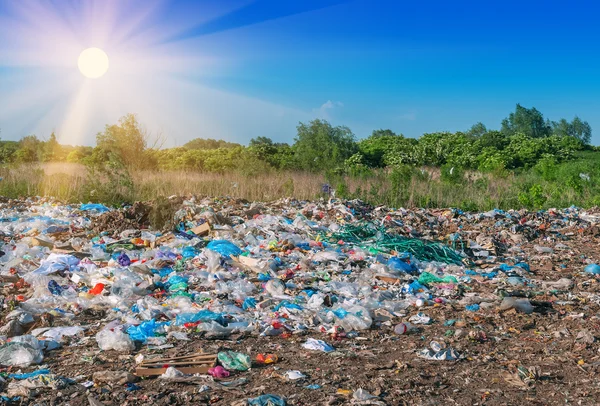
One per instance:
(198,363)
(160,364)
(160,371)
(195,356)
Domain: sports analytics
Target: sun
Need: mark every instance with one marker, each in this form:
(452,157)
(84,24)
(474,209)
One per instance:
(93,63)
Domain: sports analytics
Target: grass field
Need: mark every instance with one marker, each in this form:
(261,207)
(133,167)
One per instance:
(415,188)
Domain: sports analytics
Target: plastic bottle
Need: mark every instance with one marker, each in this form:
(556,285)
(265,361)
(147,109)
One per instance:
(403,328)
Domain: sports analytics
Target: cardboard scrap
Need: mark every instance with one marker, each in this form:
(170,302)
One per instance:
(388,279)
(201,230)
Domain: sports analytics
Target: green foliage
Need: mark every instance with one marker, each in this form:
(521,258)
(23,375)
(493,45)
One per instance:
(320,146)
(533,198)
(209,143)
(529,122)
(30,150)
(531,162)
(477,130)
(452,174)
(547,168)
(577,129)
(385,148)
(7,151)
(125,140)
(109,181)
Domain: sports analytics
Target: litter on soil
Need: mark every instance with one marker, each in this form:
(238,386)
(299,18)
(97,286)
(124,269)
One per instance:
(296,303)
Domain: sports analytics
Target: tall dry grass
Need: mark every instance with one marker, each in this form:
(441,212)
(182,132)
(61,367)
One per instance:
(69,182)
(65,181)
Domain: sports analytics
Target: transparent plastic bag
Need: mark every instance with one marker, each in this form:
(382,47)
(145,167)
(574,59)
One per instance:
(114,339)
(20,354)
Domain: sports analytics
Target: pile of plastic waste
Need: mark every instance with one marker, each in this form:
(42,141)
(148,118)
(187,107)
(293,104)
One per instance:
(329,270)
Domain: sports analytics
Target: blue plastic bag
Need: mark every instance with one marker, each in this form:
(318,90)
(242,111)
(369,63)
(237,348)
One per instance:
(593,269)
(100,208)
(249,303)
(224,247)
(267,400)
(147,329)
(397,264)
(201,316)
(189,252)
(29,374)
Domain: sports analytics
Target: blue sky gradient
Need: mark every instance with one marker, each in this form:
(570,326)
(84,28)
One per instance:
(412,67)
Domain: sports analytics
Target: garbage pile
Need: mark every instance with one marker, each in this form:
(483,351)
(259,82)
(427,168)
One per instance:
(295,302)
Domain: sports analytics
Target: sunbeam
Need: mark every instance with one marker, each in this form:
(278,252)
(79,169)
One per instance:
(256,12)
(135,68)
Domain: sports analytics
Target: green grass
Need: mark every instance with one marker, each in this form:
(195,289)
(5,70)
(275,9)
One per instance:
(541,187)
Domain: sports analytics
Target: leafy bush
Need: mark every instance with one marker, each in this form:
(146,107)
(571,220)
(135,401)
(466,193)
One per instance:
(452,174)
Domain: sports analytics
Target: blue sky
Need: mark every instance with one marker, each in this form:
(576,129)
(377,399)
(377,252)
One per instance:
(241,69)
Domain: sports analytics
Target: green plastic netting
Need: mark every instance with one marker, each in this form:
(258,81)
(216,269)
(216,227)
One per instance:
(368,236)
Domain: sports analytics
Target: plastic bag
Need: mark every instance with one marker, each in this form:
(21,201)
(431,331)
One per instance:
(109,339)
(144,330)
(218,372)
(201,316)
(520,304)
(594,269)
(317,345)
(397,265)
(427,278)
(352,317)
(224,247)
(235,361)
(100,208)
(267,400)
(275,287)
(20,354)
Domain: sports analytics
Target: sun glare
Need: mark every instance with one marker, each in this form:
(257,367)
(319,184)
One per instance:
(93,63)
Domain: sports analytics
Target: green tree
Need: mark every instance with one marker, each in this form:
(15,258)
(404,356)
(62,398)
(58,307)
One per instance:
(493,139)
(52,149)
(125,140)
(30,149)
(477,130)
(382,143)
(7,151)
(209,143)
(529,122)
(275,154)
(320,146)
(577,128)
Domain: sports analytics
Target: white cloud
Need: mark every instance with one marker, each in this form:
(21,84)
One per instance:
(327,107)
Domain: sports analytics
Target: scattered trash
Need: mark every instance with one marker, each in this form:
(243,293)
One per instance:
(197,363)
(234,361)
(114,377)
(267,400)
(521,305)
(219,372)
(270,282)
(593,269)
(317,345)
(403,328)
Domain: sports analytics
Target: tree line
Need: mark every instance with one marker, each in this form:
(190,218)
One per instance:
(524,139)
